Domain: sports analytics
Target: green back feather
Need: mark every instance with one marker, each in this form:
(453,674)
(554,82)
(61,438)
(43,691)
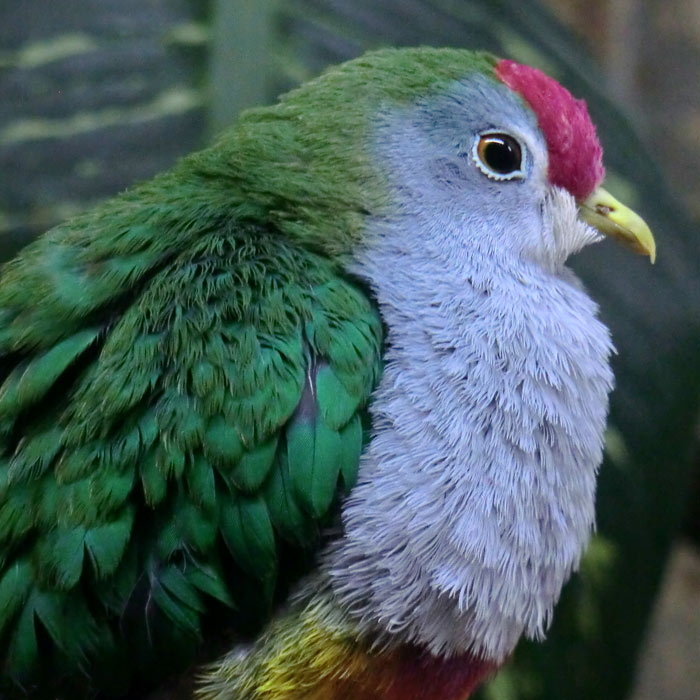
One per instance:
(172,460)
(185,375)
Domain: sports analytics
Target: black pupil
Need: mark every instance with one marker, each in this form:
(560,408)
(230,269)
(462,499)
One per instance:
(502,154)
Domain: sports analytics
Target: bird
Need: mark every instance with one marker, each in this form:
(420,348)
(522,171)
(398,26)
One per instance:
(318,412)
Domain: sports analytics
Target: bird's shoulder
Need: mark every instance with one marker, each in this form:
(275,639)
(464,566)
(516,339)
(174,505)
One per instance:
(181,406)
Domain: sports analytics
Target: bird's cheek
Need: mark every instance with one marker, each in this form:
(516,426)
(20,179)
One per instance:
(532,236)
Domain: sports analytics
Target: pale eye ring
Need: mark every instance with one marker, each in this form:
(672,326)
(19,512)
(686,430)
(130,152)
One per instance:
(499,156)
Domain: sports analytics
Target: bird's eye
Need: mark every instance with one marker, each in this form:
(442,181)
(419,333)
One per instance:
(499,156)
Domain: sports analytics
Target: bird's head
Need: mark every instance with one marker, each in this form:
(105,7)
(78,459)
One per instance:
(447,135)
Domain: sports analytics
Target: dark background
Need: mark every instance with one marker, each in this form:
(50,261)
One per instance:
(96,94)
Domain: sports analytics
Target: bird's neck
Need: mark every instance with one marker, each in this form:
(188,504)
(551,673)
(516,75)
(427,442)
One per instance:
(475,496)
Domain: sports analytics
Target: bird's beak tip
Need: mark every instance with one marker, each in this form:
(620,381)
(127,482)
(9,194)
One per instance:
(612,218)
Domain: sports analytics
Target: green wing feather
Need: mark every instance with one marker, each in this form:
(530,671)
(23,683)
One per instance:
(180,395)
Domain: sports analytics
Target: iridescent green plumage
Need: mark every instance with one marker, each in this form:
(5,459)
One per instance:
(180,430)
(185,373)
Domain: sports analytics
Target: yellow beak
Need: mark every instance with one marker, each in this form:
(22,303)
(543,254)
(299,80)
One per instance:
(612,218)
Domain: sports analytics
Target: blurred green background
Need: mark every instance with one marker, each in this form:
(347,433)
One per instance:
(96,94)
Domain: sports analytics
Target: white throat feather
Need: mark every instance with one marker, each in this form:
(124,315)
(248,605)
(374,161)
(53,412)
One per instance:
(476,493)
